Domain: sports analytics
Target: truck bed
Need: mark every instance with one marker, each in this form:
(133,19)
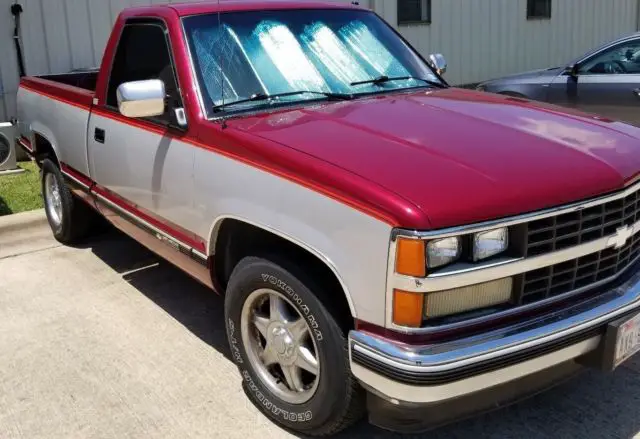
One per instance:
(82,79)
(57,107)
(75,89)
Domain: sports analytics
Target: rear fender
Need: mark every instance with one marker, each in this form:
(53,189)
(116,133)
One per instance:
(38,129)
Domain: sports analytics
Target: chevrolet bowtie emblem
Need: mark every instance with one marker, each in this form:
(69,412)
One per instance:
(621,237)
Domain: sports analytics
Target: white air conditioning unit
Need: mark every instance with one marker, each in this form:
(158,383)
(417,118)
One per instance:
(7,147)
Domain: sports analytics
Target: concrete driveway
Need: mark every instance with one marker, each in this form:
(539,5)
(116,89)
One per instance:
(108,341)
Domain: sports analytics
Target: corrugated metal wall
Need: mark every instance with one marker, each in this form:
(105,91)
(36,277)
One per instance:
(481,39)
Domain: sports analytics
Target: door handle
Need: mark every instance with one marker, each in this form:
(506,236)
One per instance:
(99,135)
(637,92)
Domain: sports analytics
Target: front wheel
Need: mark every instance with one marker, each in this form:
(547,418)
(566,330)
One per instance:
(289,349)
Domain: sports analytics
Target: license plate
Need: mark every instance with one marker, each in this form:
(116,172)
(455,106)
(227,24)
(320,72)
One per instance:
(627,341)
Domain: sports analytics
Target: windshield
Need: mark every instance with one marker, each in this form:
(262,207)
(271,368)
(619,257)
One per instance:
(274,52)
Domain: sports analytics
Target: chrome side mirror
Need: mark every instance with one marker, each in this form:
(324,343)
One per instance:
(438,63)
(141,98)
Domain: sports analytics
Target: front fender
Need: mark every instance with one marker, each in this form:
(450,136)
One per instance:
(352,244)
(215,229)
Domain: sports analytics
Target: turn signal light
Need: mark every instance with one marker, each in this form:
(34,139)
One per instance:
(408,308)
(411,257)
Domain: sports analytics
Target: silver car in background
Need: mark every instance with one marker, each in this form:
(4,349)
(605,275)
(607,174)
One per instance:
(605,81)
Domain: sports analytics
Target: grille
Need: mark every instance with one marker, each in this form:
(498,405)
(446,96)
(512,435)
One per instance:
(570,229)
(561,278)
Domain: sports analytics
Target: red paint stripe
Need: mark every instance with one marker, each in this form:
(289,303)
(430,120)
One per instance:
(25,143)
(76,174)
(167,227)
(56,97)
(162,224)
(271,170)
(148,126)
(305,183)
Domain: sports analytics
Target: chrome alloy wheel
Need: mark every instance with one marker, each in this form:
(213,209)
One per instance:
(53,200)
(280,346)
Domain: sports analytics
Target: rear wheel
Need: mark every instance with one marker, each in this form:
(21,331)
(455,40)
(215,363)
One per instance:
(70,220)
(290,350)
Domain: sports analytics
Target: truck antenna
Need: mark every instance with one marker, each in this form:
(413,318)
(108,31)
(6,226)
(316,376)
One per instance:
(221,56)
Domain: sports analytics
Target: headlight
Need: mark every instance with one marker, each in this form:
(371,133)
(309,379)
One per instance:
(443,251)
(491,243)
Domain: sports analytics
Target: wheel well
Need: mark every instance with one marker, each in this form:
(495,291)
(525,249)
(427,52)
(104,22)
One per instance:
(44,150)
(237,240)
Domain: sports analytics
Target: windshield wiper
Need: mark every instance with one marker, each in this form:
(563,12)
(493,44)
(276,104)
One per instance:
(384,78)
(267,97)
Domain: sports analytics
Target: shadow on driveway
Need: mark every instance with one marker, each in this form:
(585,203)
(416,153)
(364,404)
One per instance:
(196,307)
(594,405)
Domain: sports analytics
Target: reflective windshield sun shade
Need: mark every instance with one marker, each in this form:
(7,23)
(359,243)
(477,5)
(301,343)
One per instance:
(332,54)
(205,42)
(285,52)
(238,55)
(363,43)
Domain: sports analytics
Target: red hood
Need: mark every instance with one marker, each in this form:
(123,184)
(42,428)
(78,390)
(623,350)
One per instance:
(462,156)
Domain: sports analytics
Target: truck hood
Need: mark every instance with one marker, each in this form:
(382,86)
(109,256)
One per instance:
(461,156)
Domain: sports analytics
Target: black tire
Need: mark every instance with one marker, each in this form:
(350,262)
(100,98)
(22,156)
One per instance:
(338,401)
(76,217)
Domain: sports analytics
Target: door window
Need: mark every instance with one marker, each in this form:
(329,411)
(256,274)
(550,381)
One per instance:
(143,53)
(621,59)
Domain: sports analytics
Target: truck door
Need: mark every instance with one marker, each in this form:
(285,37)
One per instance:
(142,164)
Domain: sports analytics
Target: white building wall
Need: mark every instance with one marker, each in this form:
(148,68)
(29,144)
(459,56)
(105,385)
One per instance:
(481,39)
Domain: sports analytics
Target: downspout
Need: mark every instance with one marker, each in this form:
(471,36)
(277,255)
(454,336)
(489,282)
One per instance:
(16,10)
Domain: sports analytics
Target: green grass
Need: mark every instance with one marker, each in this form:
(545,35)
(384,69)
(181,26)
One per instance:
(20,192)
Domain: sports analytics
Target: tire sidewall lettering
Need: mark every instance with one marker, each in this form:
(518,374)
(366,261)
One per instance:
(295,298)
(269,406)
(233,342)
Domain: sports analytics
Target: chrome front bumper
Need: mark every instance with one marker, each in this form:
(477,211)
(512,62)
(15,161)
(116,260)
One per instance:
(440,372)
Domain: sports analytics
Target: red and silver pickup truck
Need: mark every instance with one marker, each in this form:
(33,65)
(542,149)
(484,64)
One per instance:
(384,243)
